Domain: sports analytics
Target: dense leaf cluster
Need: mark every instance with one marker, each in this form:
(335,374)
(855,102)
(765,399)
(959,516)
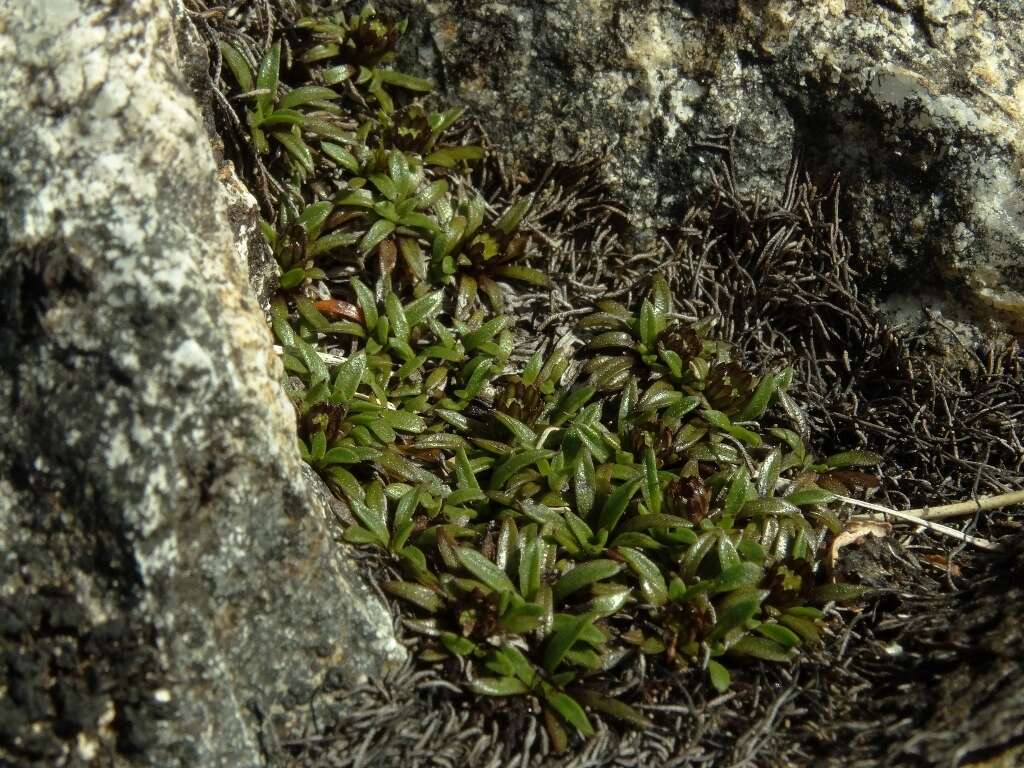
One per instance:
(635,490)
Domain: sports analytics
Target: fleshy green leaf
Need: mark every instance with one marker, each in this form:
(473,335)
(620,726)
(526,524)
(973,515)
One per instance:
(695,554)
(739,488)
(572,712)
(853,459)
(460,646)
(613,708)
(720,421)
(307,94)
(584,483)
(341,156)
(237,64)
(563,639)
(449,157)
(737,608)
(758,403)
(331,242)
(485,333)
(528,275)
(648,327)
(514,464)
(266,79)
(441,123)
(803,626)
(520,431)
(423,308)
(652,583)
(728,557)
(404,421)
(484,569)
(616,504)
(779,634)
(809,496)
(402,80)
(425,598)
(652,484)
(297,148)
(840,593)
(656,398)
(583,575)
(397,320)
(759,648)
(661,300)
(371,518)
(763,507)
(737,575)
(348,377)
(367,303)
(375,234)
(512,217)
(720,677)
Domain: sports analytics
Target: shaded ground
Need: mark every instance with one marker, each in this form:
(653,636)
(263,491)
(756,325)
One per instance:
(927,671)
(922,676)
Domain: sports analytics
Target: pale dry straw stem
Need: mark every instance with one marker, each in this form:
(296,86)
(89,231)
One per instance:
(961,508)
(915,519)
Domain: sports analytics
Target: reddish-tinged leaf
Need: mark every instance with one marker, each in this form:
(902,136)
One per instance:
(340,310)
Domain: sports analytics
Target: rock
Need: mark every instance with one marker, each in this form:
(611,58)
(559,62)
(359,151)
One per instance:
(918,105)
(254,256)
(170,581)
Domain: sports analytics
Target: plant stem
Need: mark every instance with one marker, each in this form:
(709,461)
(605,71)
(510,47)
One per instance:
(917,520)
(980,504)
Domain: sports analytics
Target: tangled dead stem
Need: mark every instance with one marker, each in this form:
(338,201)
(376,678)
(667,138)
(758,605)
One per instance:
(924,672)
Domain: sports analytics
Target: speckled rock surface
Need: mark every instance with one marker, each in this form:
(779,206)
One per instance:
(254,256)
(918,104)
(170,585)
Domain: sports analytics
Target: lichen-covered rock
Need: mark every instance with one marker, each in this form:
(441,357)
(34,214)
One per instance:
(919,105)
(254,255)
(251,249)
(170,582)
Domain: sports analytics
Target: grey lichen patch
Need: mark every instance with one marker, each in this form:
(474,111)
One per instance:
(147,446)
